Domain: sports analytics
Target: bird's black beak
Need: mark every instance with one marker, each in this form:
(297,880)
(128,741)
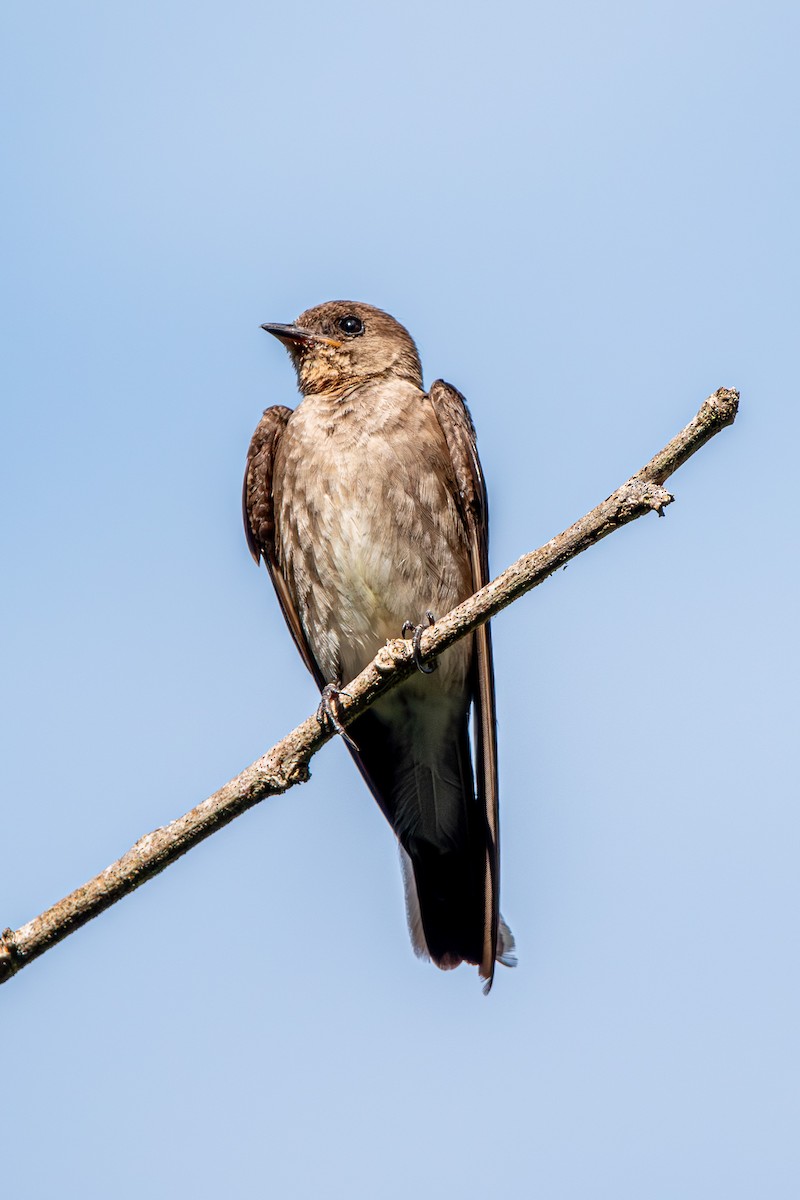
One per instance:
(296,336)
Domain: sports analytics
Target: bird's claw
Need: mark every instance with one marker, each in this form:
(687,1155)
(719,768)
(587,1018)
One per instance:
(326,711)
(417,632)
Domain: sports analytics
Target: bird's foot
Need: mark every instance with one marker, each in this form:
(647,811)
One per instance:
(417,632)
(326,711)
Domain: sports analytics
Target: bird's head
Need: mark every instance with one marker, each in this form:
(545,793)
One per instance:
(340,344)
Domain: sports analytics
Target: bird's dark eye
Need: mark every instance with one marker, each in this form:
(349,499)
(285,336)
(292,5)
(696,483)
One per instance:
(352,325)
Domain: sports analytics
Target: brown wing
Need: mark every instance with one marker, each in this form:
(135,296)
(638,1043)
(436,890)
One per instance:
(259,520)
(453,416)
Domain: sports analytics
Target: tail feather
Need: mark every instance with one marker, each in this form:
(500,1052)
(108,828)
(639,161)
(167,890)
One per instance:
(450,890)
(420,771)
(506,945)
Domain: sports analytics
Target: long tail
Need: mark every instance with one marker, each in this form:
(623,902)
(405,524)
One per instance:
(418,766)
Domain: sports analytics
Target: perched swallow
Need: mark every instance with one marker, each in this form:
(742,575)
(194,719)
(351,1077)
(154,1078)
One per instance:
(368,506)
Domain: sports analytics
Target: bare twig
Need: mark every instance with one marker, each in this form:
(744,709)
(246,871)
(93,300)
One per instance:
(287,763)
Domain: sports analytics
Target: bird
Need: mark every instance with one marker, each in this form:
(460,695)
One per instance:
(367,505)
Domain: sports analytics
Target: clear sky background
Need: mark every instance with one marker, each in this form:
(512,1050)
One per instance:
(587,216)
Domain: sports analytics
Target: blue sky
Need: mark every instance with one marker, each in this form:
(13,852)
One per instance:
(587,217)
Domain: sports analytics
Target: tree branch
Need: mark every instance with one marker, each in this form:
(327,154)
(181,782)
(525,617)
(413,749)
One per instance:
(287,763)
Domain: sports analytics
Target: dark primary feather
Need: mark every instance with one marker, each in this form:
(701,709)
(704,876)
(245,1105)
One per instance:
(453,416)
